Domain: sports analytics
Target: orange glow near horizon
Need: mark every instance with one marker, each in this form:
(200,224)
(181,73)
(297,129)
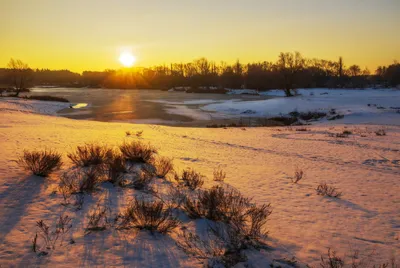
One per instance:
(87,35)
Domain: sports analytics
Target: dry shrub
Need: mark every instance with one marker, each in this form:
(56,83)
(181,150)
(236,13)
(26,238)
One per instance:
(298,175)
(80,181)
(139,133)
(229,206)
(219,175)
(139,180)
(90,154)
(334,261)
(115,167)
(380,132)
(41,163)
(252,229)
(222,248)
(327,190)
(136,151)
(163,166)
(190,178)
(217,204)
(193,245)
(128,133)
(148,215)
(49,238)
(143,180)
(99,217)
(302,129)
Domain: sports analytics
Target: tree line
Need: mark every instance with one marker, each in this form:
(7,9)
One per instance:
(289,72)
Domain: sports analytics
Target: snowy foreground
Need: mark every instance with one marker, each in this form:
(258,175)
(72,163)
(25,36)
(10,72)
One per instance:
(258,161)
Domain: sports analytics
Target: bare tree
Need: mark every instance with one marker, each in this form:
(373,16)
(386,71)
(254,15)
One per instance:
(290,65)
(355,70)
(19,73)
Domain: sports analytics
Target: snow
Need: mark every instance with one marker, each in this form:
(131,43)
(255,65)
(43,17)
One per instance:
(243,91)
(9,105)
(258,162)
(352,103)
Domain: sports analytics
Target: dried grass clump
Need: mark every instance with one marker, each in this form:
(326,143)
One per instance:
(163,166)
(115,167)
(229,206)
(146,215)
(41,163)
(327,190)
(143,180)
(98,217)
(219,175)
(136,151)
(298,175)
(332,260)
(216,204)
(80,181)
(218,250)
(139,133)
(356,261)
(90,154)
(45,239)
(190,178)
(380,132)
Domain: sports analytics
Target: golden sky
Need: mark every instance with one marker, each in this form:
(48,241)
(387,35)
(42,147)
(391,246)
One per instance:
(90,34)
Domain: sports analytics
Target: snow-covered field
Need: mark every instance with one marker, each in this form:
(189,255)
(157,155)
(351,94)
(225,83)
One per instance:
(258,162)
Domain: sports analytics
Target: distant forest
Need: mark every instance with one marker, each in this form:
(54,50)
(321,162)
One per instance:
(289,72)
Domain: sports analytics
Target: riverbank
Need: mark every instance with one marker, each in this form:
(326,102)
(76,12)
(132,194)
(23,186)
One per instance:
(258,162)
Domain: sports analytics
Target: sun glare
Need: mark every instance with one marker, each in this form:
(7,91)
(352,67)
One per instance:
(127,59)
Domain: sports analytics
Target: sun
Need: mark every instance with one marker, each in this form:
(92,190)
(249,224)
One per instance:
(127,59)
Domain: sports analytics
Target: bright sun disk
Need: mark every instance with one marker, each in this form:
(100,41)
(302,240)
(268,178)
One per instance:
(127,59)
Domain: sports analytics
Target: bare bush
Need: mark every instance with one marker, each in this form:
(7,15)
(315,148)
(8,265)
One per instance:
(229,206)
(190,178)
(219,175)
(139,133)
(41,163)
(137,151)
(221,249)
(128,133)
(380,132)
(298,175)
(143,180)
(115,167)
(327,190)
(90,154)
(48,238)
(202,249)
(302,129)
(217,204)
(80,181)
(163,166)
(334,261)
(252,229)
(98,217)
(146,215)
(338,135)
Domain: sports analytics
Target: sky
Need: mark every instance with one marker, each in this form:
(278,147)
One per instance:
(90,34)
